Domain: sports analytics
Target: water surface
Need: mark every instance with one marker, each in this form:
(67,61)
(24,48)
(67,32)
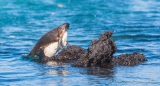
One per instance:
(136,26)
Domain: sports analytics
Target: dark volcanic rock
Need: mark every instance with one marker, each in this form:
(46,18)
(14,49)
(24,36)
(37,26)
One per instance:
(130,59)
(70,53)
(99,52)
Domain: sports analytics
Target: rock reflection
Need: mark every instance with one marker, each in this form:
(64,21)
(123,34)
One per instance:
(107,71)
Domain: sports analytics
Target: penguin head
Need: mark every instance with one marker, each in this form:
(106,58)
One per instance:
(62,29)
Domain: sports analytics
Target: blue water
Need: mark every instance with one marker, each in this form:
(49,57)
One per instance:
(136,26)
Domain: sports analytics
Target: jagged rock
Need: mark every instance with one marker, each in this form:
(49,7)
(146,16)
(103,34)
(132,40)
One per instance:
(99,52)
(72,52)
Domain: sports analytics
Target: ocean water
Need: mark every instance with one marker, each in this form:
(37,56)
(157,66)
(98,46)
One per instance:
(136,26)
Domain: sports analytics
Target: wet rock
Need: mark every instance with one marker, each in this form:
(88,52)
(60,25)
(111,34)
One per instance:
(99,52)
(130,59)
(70,53)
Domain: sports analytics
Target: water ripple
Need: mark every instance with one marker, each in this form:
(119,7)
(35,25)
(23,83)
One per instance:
(135,24)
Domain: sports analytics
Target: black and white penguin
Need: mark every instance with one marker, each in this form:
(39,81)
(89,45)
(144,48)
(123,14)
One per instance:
(51,42)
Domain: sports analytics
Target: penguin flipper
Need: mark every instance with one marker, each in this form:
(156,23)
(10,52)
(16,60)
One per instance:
(40,54)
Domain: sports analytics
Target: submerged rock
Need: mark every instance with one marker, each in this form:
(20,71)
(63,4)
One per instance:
(130,59)
(99,52)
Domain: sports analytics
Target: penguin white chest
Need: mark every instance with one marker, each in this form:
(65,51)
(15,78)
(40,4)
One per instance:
(51,49)
(64,39)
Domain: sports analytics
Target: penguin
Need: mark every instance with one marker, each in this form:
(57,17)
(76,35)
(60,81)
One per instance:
(49,44)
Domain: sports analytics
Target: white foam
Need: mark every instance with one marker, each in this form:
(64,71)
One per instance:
(60,5)
(52,13)
(11,36)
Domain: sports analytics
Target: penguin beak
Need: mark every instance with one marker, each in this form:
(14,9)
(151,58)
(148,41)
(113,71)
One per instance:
(66,26)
